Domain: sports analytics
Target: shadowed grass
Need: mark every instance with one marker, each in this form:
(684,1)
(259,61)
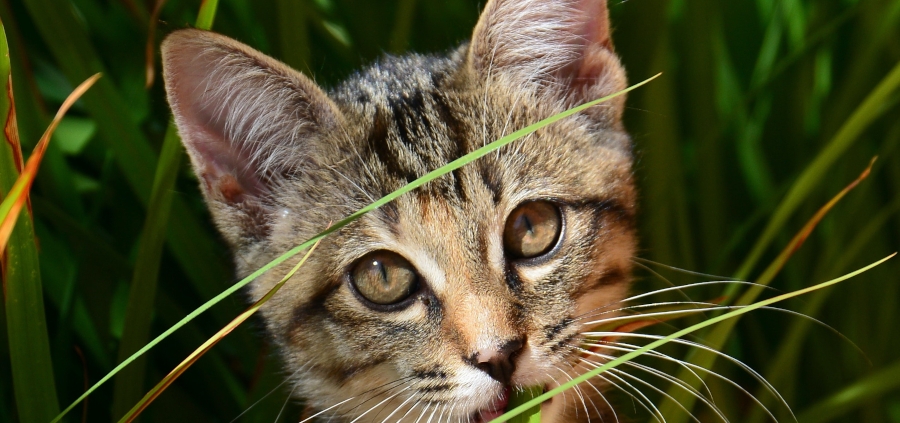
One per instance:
(755,91)
(129,385)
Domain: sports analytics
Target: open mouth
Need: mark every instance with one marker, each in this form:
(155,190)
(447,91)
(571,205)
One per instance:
(493,410)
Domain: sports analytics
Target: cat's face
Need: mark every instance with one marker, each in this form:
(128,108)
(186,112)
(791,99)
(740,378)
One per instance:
(443,300)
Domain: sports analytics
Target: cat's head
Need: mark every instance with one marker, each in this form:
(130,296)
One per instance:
(442,300)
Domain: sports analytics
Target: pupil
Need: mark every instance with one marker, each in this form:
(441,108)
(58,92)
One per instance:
(382,270)
(528,225)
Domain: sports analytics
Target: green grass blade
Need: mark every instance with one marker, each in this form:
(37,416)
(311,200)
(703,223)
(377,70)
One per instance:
(677,398)
(430,176)
(531,415)
(402,24)
(681,333)
(207,14)
(70,45)
(668,233)
(790,350)
(209,343)
(293,32)
(862,392)
(129,384)
(868,111)
(29,347)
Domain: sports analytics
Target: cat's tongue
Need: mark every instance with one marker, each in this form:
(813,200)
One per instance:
(495,409)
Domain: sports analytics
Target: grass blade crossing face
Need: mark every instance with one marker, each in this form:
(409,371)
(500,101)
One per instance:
(430,176)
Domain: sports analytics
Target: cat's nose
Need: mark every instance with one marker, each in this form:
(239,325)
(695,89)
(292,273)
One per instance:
(499,363)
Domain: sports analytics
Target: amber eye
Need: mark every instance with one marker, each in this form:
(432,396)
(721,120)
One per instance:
(532,229)
(384,277)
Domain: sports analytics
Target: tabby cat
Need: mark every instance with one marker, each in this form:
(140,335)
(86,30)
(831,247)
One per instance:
(437,305)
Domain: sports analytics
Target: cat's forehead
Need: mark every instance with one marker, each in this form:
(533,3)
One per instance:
(393,77)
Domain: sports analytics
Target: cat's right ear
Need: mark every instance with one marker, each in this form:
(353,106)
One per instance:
(247,121)
(559,49)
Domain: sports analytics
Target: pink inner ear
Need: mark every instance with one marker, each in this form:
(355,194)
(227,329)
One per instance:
(543,43)
(224,170)
(596,29)
(245,119)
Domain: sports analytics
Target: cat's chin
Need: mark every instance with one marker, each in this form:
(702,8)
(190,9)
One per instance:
(493,410)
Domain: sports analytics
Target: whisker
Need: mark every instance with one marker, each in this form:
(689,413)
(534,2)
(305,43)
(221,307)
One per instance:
(670,289)
(424,410)
(594,405)
(643,400)
(577,392)
(399,407)
(286,379)
(660,391)
(633,397)
(668,378)
(372,394)
(326,410)
(595,313)
(283,406)
(624,347)
(768,386)
(677,269)
(666,280)
(379,404)
(432,413)
(413,407)
(659,314)
(690,367)
(603,397)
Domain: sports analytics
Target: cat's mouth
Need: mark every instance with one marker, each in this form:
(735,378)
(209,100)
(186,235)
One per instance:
(493,410)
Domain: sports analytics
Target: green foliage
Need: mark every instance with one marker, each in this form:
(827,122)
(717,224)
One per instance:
(765,110)
(26,332)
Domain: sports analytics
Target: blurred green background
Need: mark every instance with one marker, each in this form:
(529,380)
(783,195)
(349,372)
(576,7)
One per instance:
(765,110)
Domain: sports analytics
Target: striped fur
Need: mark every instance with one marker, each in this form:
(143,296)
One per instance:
(279,159)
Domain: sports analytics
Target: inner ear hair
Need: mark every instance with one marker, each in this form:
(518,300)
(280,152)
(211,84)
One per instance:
(246,119)
(560,49)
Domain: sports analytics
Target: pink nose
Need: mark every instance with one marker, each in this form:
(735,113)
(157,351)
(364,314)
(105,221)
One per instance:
(499,363)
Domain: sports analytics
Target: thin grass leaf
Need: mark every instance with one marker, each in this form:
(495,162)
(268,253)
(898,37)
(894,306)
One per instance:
(129,384)
(18,194)
(681,333)
(790,350)
(402,24)
(26,334)
(881,382)
(29,349)
(139,313)
(293,31)
(55,180)
(677,398)
(428,177)
(70,45)
(519,398)
(150,48)
(22,288)
(211,342)
(868,111)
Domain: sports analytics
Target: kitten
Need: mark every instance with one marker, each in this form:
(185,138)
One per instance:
(441,302)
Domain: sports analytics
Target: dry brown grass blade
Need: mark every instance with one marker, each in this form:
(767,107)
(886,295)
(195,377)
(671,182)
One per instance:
(797,241)
(212,341)
(18,195)
(150,50)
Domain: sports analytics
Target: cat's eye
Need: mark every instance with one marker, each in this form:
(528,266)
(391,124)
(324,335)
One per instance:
(532,229)
(384,278)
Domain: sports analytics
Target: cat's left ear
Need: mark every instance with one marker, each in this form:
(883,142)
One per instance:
(248,122)
(560,49)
